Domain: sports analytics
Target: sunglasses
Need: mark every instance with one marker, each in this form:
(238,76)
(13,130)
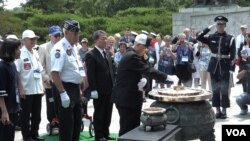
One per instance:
(57,35)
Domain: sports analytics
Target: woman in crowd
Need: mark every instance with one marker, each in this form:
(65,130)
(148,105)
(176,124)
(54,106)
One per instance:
(9,51)
(166,62)
(184,56)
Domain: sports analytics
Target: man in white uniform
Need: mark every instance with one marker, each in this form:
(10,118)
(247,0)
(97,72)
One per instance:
(50,89)
(31,91)
(67,73)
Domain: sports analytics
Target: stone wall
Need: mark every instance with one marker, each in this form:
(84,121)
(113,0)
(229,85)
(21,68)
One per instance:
(200,18)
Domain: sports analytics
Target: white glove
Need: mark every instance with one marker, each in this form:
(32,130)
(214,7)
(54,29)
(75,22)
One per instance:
(151,60)
(172,78)
(65,99)
(211,26)
(231,72)
(142,84)
(94,94)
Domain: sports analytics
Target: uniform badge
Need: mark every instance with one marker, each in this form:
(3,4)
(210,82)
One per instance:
(27,66)
(68,51)
(57,55)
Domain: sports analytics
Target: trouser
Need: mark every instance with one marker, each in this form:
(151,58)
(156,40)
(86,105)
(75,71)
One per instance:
(51,102)
(220,88)
(243,100)
(129,118)
(70,118)
(7,132)
(196,82)
(102,115)
(205,78)
(31,115)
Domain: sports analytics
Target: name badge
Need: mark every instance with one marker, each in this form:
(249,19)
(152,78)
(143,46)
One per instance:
(82,72)
(184,59)
(37,74)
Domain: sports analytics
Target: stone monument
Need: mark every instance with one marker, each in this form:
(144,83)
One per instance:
(203,12)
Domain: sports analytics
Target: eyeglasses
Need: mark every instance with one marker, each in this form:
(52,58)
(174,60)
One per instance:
(57,35)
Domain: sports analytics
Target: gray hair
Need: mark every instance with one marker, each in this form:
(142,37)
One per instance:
(97,34)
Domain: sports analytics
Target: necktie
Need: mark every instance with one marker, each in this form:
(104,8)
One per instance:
(104,56)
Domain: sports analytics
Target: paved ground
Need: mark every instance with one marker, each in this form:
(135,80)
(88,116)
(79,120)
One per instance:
(233,116)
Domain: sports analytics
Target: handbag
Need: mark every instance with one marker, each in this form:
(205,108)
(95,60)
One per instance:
(191,67)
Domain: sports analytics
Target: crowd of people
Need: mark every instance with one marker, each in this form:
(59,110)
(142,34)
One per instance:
(115,70)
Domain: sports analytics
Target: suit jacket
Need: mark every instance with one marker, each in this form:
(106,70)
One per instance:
(44,56)
(129,72)
(100,74)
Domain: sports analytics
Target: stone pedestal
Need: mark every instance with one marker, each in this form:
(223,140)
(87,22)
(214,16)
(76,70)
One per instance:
(200,17)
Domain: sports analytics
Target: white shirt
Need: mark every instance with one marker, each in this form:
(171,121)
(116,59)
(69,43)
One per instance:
(100,50)
(158,48)
(30,68)
(66,61)
(239,39)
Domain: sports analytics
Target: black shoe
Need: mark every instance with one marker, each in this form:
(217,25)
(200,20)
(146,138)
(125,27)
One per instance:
(100,139)
(28,139)
(38,138)
(218,115)
(17,128)
(223,116)
(110,138)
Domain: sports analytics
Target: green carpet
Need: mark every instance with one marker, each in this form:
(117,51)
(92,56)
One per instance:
(83,137)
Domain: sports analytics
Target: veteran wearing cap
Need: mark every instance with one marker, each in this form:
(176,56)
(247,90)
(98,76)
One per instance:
(67,73)
(30,87)
(221,65)
(127,93)
(55,34)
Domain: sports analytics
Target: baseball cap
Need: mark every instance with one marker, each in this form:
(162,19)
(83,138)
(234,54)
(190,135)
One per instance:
(143,39)
(72,25)
(29,34)
(55,29)
(12,36)
(84,40)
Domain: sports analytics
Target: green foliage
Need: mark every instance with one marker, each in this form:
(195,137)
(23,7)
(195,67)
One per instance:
(150,19)
(10,23)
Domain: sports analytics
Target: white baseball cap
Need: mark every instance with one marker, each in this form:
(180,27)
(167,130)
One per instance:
(142,39)
(29,34)
(12,36)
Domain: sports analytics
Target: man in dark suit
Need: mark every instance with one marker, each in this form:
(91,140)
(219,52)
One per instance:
(127,94)
(101,80)
(127,38)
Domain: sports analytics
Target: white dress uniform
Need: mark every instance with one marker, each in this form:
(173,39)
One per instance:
(30,70)
(65,59)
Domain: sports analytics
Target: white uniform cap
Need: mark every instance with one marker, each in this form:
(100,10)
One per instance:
(12,36)
(243,26)
(134,33)
(145,32)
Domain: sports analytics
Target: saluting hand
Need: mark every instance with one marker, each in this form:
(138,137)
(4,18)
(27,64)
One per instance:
(211,26)
(65,99)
